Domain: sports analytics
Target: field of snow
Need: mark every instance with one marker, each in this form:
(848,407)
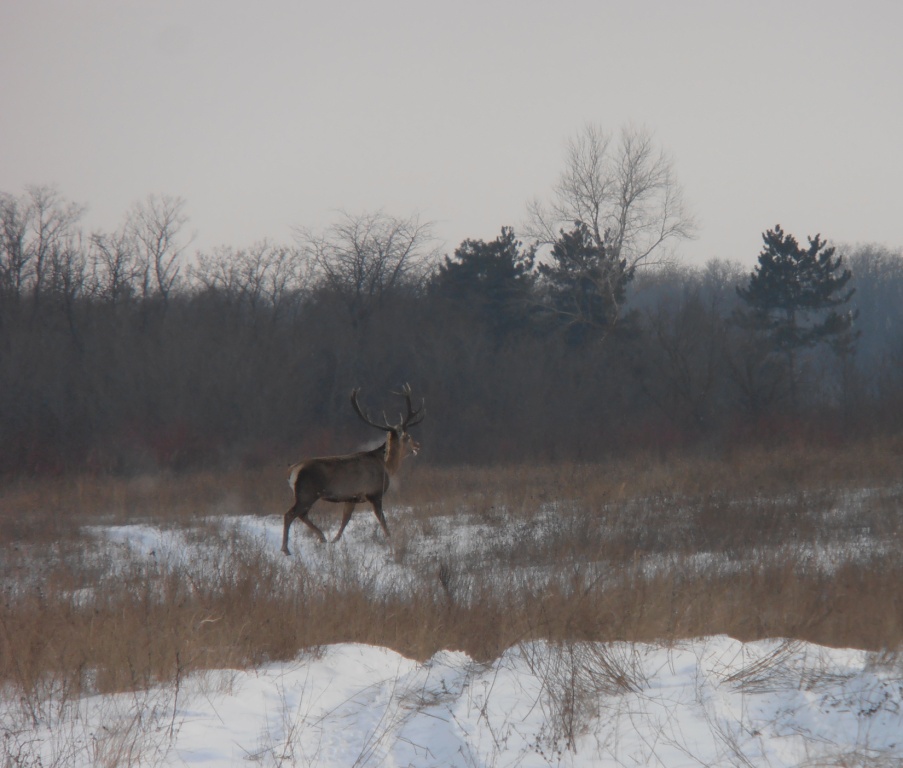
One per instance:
(710,701)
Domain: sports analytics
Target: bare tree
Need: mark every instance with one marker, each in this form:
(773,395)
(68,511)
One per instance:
(286,274)
(625,192)
(53,221)
(264,274)
(35,227)
(67,271)
(365,257)
(13,253)
(114,266)
(686,358)
(154,225)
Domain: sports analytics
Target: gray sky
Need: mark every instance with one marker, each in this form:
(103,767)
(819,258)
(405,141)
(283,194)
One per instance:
(265,115)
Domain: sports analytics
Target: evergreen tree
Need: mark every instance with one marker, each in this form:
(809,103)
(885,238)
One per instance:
(793,298)
(491,282)
(586,284)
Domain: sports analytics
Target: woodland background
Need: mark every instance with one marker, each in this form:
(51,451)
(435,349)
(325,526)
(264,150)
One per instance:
(123,352)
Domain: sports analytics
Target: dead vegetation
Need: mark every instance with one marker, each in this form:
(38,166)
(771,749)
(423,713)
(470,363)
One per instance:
(792,543)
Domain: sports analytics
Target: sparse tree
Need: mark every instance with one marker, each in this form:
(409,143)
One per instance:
(685,358)
(262,275)
(14,257)
(364,258)
(52,221)
(155,225)
(35,228)
(67,275)
(114,266)
(878,280)
(624,191)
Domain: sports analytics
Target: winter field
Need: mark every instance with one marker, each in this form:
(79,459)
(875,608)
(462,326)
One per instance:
(740,611)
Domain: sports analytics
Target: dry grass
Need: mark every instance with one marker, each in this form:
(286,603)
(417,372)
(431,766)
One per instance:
(643,549)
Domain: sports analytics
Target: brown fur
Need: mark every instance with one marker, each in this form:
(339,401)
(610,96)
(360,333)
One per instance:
(353,478)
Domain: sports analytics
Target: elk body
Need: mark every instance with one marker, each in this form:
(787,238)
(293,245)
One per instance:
(354,478)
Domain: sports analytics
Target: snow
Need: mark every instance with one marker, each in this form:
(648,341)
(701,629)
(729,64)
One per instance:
(710,701)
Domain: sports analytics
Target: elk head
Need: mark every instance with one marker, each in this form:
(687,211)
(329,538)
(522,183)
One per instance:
(399,443)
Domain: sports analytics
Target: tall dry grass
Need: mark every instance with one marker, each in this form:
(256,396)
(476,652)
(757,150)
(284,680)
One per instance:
(640,549)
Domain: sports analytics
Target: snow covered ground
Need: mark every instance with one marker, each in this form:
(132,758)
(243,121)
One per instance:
(710,701)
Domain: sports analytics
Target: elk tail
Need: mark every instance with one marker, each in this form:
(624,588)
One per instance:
(293,475)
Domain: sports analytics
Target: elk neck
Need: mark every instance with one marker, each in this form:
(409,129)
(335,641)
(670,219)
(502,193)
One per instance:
(394,451)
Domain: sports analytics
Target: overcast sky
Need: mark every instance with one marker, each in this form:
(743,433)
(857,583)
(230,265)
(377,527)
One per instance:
(268,115)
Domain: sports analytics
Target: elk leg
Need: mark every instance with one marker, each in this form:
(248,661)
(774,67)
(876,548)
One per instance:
(309,523)
(377,503)
(290,517)
(346,516)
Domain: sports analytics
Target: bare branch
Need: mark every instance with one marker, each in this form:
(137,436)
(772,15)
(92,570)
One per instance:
(364,257)
(625,193)
(155,225)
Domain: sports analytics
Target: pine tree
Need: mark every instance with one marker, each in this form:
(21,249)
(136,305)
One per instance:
(490,281)
(793,298)
(586,284)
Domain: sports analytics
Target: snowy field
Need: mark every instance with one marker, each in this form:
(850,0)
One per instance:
(712,701)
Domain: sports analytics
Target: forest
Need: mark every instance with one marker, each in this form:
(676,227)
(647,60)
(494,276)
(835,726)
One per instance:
(580,336)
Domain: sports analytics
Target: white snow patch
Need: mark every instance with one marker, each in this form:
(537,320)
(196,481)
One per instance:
(712,701)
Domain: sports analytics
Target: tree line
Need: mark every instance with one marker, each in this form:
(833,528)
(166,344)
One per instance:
(579,339)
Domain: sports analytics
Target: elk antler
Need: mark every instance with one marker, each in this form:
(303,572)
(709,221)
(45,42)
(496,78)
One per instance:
(365,416)
(414,417)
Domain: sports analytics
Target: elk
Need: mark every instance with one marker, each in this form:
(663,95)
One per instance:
(355,477)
